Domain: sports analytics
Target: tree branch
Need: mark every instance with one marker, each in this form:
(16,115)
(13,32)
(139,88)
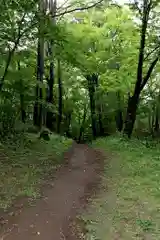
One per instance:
(79,9)
(152,51)
(145,79)
(62,5)
(136,6)
(11,52)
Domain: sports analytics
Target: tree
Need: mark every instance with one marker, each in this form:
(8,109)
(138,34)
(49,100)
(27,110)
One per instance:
(104,54)
(51,78)
(141,80)
(60,96)
(85,67)
(38,108)
(16,23)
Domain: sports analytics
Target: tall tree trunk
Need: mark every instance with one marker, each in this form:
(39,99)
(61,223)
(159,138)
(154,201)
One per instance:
(151,121)
(99,110)
(68,123)
(23,112)
(81,131)
(156,125)
(50,118)
(59,97)
(131,114)
(40,67)
(141,81)
(91,88)
(119,114)
(101,129)
(22,108)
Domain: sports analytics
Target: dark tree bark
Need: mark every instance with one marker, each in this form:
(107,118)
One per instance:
(152,120)
(95,109)
(40,72)
(141,81)
(99,109)
(68,123)
(131,114)
(50,81)
(101,129)
(50,118)
(23,112)
(36,108)
(119,114)
(92,81)
(59,97)
(22,108)
(81,131)
(156,125)
(37,118)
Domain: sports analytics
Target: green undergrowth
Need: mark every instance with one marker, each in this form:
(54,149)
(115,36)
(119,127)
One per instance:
(26,163)
(129,204)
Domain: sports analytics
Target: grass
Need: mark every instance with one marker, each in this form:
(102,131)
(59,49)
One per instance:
(129,204)
(25,164)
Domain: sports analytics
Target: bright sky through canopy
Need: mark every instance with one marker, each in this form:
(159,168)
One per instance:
(65,1)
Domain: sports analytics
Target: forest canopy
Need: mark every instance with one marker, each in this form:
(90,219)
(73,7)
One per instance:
(83,69)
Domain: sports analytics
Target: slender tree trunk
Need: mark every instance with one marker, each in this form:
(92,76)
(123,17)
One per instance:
(40,72)
(81,131)
(59,98)
(141,81)
(99,109)
(40,68)
(131,115)
(151,121)
(50,81)
(101,129)
(91,89)
(68,123)
(156,125)
(119,114)
(23,112)
(36,107)
(50,118)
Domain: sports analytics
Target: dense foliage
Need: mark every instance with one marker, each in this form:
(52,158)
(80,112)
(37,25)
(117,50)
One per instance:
(79,69)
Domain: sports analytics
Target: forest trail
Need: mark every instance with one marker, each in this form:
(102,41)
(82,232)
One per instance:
(52,216)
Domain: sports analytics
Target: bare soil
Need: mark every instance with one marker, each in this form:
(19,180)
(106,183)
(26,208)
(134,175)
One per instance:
(53,216)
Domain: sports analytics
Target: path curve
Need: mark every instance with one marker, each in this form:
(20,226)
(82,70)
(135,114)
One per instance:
(52,215)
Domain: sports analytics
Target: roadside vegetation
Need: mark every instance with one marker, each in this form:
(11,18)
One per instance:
(26,163)
(128,206)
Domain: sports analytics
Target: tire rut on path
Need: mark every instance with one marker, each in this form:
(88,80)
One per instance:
(52,215)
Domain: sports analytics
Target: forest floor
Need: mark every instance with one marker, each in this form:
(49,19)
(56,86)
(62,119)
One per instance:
(25,162)
(53,215)
(128,206)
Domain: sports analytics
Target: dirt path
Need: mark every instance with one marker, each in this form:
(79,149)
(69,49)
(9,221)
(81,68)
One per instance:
(51,217)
